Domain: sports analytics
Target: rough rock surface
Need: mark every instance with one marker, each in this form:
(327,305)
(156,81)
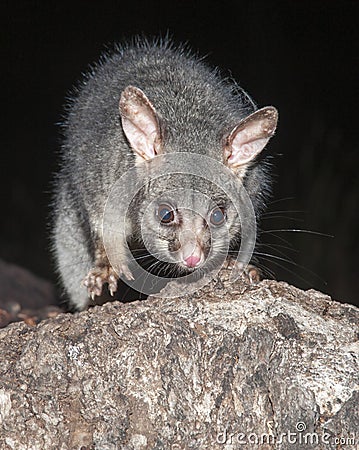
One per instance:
(232,366)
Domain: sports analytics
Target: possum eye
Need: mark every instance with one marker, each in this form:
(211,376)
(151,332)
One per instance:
(218,216)
(165,213)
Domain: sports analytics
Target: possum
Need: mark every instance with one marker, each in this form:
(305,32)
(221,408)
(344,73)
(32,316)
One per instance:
(142,103)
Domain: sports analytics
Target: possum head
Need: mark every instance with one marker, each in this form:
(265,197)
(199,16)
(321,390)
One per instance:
(182,219)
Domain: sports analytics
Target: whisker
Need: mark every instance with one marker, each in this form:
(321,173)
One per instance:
(268,213)
(288,270)
(274,249)
(280,238)
(272,217)
(146,256)
(264,269)
(280,200)
(276,246)
(268,255)
(293,230)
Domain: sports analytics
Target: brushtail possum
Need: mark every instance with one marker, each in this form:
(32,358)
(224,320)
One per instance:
(142,103)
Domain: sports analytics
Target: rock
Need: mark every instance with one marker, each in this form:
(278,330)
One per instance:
(24,296)
(232,366)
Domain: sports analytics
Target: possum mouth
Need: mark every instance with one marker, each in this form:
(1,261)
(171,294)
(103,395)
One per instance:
(166,269)
(178,260)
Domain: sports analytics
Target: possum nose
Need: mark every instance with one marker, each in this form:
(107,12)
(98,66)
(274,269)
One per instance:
(192,261)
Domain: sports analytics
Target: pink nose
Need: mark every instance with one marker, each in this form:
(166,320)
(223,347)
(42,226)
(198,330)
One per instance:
(192,261)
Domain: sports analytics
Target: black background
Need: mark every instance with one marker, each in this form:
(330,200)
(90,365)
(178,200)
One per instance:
(300,56)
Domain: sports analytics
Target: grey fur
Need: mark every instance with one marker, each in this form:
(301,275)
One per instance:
(197,109)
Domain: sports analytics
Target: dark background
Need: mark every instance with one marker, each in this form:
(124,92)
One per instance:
(300,56)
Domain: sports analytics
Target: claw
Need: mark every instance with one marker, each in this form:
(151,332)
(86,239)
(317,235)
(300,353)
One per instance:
(98,282)
(126,272)
(129,276)
(97,277)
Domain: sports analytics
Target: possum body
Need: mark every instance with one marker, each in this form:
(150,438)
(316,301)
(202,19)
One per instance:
(141,103)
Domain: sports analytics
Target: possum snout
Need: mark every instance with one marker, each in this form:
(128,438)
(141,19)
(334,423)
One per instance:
(190,253)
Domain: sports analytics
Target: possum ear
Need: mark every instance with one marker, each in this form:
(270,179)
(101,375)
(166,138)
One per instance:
(250,137)
(140,122)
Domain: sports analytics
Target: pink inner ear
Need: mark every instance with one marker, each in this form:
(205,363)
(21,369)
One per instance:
(139,122)
(250,137)
(243,152)
(140,141)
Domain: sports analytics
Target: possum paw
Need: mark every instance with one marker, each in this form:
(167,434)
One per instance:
(249,274)
(99,276)
(252,274)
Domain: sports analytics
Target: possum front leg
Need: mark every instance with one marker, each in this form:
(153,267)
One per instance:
(104,273)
